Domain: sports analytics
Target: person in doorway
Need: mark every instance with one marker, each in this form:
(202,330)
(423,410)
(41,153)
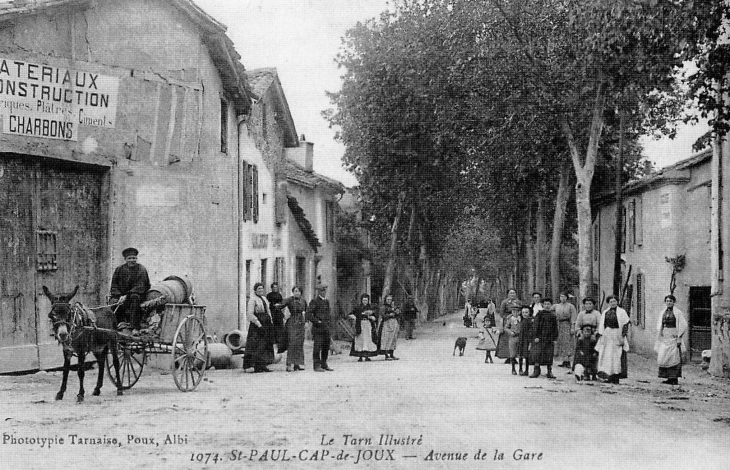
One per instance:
(318,313)
(567,316)
(546,334)
(294,328)
(388,328)
(612,340)
(130,283)
(277,316)
(259,351)
(671,328)
(363,346)
(410,316)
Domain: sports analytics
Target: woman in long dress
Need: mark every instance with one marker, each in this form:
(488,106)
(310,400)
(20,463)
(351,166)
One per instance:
(567,316)
(613,340)
(505,311)
(260,339)
(294,329)
(388,329)
(363,315)
(671,327)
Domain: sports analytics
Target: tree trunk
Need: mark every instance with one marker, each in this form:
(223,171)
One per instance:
(540,255)
(561,203)
(529,258)
(584,176)
(619,235)
(720,261)
(390,267)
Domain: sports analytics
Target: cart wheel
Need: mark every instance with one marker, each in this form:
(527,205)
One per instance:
(189,353)
(131,363)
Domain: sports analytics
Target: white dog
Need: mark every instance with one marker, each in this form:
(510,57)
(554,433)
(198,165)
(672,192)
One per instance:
(579,370)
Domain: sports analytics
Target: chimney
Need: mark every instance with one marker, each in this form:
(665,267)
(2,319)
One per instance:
(303,155)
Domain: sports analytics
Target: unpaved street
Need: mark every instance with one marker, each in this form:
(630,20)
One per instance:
(433,410)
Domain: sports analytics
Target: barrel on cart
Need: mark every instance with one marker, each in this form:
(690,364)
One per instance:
(181,334)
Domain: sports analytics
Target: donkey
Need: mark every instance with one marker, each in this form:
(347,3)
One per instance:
(68,328)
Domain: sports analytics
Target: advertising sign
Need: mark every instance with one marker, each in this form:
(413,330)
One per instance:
(51,102)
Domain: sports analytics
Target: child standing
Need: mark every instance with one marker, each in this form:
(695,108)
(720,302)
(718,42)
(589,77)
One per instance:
(586,354)
(486,338)
(546,334)
(526,337)
(513,326)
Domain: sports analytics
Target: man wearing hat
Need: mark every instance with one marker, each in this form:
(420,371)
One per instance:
(130,283)
(318,313)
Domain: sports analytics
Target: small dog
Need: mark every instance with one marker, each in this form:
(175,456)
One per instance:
(461,344)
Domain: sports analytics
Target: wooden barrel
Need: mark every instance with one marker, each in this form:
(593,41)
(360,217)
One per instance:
(176,289)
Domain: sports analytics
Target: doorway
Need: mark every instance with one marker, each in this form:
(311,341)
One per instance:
(53,232)
(700,320)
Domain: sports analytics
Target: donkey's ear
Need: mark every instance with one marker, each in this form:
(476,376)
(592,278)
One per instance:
(47,292)
(76,289)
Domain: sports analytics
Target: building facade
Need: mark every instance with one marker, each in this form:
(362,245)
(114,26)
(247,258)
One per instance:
(114,134)
(666,219)
(292,237)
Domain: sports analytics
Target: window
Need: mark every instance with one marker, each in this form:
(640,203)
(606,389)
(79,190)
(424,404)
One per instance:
(596,240)
(632,224)
(639,222)
(279,272)
(250,192)
(264,263)
(640,313)
(46,250)
(255,193)
(224,126)
(248,279)
(301,273)
(330,221)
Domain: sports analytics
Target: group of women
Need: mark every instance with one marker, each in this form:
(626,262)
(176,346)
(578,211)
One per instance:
(596,341)
(376,329)
(267,329)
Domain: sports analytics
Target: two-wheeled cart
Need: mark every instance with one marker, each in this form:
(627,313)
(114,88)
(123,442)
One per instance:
(181,334)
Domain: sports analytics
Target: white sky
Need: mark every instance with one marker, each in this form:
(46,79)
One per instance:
(301,38)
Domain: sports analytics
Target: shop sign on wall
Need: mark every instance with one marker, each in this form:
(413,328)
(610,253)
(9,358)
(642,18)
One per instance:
(51,102)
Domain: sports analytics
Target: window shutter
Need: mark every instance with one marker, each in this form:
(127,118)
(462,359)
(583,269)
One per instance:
(255,193)
(639,222)
(246,196)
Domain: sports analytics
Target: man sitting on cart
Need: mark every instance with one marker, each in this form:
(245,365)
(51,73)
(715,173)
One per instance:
(130,283)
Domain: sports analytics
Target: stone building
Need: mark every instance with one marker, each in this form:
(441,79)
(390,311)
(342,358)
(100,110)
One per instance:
(666,216)
(293,241)
(114,134)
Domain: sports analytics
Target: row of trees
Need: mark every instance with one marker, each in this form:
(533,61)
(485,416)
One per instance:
(471,126)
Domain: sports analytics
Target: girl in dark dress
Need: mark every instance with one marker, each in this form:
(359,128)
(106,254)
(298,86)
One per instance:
(260,339)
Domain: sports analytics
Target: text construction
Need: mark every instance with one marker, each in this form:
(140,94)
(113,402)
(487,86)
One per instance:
(52,102)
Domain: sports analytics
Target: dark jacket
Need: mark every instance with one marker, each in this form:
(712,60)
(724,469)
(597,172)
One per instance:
(318,313)
(545,326)
(410,312)
(129,280)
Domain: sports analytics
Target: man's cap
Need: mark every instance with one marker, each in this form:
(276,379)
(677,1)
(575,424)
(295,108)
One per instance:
(321,286)
(129,252)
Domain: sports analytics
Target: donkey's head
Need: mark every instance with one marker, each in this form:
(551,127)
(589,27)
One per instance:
(61,313)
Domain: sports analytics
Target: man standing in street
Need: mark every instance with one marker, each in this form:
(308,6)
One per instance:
(130,283)
(318,314)
(410,314)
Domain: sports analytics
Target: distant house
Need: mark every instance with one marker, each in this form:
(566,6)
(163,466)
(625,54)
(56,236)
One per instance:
(665,216)
(293,242)
(354,273)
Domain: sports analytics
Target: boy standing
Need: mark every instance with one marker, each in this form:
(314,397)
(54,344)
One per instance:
(546,334)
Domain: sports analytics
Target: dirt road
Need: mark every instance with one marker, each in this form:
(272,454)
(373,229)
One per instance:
(428,410)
